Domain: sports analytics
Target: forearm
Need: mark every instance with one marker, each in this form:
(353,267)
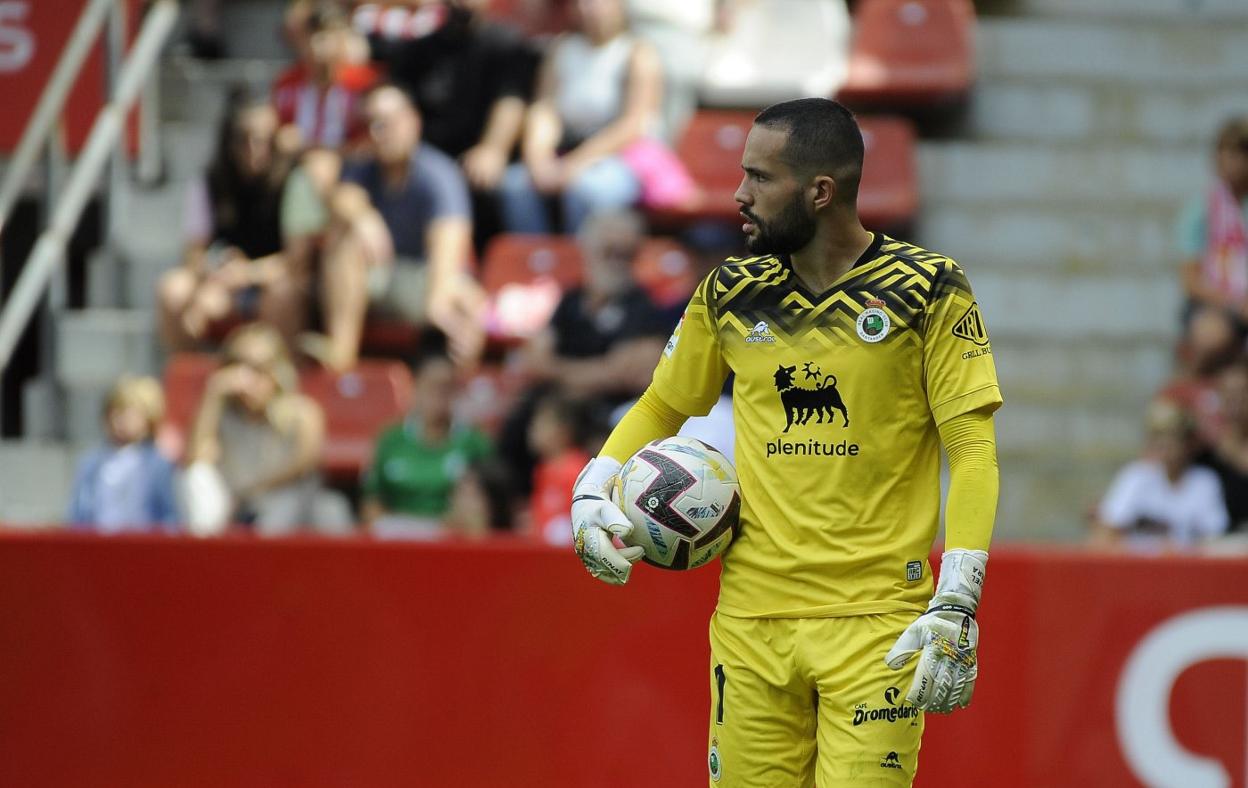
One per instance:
(541,133)
(203,444)
(971,508)
(610,140)
(505,124)
(649,419)
(447,249)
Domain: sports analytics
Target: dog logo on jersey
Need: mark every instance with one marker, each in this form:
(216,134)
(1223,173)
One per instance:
(971,326)
(890,761)
(801,403)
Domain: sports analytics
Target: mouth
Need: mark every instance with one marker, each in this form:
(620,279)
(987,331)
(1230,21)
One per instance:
(750,224)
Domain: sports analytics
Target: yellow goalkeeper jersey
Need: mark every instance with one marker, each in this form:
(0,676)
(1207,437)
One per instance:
(836,400)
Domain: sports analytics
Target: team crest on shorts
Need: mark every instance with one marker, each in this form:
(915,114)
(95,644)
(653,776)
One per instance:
(713,763)
(873,324)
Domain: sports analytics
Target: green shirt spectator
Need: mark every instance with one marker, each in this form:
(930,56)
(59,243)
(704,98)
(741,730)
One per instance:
(412,475)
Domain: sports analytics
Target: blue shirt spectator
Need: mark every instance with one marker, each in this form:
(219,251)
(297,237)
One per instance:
(127,485)
(124,488)
(434,189)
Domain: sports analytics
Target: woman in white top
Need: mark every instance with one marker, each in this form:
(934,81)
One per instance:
(599,90)
(1163,499)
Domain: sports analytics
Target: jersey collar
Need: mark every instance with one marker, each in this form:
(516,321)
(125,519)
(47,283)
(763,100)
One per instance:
(869,254)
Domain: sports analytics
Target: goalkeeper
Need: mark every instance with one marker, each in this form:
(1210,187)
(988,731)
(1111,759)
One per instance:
(828,643)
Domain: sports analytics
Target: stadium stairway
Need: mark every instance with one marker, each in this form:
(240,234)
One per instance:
(1089,126)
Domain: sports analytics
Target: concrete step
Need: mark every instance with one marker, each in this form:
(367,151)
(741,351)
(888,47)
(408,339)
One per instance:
(1102,374)
(154,221)
(95,346)
(1112,178)
(1057,240)
(253,29)
(35,480)
(1083,309)
(1073,431)
(194,91)
(1175,11)
(1081,109)
(1049,499)
(1194,52)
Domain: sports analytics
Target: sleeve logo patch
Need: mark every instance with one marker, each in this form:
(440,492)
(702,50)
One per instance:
(971,326)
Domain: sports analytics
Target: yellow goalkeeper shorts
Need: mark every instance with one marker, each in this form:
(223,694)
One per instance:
(809,701)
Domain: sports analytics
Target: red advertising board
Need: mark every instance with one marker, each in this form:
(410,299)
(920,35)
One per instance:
(157,662)
(33,34)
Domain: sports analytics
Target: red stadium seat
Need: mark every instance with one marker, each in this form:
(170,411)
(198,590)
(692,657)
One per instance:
(714,140)
(533,17)
(521,259)
(358,405)
(888,196)
(711,149)
(911,52)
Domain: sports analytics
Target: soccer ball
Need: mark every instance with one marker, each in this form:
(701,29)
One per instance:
(683,500)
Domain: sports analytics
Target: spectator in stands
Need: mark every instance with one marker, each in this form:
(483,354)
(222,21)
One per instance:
(234,260)
(318,98)
(471,78)
(126,484)
(557,436)
(1163,498)
(603,340)
(256,445)
(416,464)
(398,240)
(481,501)
(680,33)
(599,91)
(1212,237)
(1228,446)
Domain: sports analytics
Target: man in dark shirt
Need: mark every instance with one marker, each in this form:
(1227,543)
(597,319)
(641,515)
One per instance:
(603,340)
(471,79)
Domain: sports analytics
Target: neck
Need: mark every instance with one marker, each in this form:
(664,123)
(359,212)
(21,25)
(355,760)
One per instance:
(833,251)
(1174,472)
(395,173)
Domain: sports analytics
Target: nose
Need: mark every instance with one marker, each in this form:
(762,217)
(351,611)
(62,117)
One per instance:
(742,194)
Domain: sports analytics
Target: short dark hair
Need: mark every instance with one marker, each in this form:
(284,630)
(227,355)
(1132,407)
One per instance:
(824,139)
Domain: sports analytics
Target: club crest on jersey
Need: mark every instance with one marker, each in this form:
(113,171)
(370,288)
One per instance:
(801,403)
(971,326)
(873,324)
(713,763)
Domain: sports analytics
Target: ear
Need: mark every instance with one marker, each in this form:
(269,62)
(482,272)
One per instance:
(823,191)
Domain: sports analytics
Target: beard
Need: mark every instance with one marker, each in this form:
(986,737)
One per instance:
(786,234)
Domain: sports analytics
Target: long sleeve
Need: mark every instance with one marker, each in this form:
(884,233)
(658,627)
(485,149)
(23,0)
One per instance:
(974,484)
(649,419)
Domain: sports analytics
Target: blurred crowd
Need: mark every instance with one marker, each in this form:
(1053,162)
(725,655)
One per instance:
(1190,486)
(365,188)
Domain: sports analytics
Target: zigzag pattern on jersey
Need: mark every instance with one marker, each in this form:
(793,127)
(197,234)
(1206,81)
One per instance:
(905,277)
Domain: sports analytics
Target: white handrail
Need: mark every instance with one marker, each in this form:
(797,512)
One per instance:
(51,102)
(50,248)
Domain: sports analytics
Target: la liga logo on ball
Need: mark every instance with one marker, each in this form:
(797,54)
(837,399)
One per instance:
(683,500)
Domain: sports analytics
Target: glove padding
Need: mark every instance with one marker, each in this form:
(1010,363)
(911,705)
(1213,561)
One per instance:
(945,637)
(595,521)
